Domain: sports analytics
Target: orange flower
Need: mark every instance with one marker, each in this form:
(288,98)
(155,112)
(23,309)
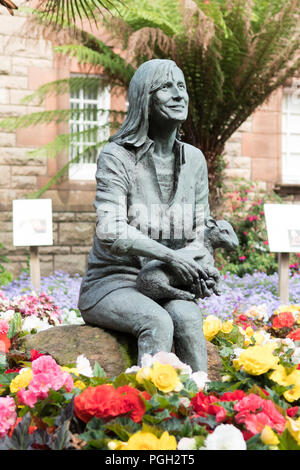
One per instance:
(284,320)
(4,343)
(295,335)
(106,402)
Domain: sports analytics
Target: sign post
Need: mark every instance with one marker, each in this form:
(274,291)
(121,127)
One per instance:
(283,227)
(283,276)
(32,226)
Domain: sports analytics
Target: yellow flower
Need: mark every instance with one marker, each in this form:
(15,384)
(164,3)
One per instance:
(73,370)
(269,437)
(211,327)
(293,426)
(249,331)
(293,308)
(21,381)
(259,337)
(142,440)
(164,377)
(117,445)
(257,360)
(227,326)
(281,377)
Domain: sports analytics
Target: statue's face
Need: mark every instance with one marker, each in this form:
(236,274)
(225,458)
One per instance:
(170,101)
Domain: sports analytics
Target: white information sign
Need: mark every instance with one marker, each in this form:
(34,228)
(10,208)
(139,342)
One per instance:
(283,227)
(32,222)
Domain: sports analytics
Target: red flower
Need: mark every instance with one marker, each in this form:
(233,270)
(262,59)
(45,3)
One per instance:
(291,412)
(233,396)
(4,343)
(242,317)
(12,371)
(31,429)
(295,335)
(284,320)
(204,405)
(35,354)
(132,402)
(106,402)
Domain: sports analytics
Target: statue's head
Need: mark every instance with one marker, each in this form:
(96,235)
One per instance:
(157,91)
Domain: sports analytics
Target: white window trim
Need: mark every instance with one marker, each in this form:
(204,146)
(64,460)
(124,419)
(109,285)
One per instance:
(83,170)
(290,155)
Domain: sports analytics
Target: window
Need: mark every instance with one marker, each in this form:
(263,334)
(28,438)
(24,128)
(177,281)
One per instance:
(88,122)
(291,136)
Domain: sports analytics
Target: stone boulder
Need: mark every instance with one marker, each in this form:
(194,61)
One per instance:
(113,351)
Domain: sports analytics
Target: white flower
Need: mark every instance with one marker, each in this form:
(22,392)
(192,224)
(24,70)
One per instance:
(187,443)
(225,437)
(70,317)
(289,343)
(179,387)
(83,366)
(200,378)
(8,315)
(296,356)
(259,311)
(33,322)
(237,352)
(166,358)
(132,370)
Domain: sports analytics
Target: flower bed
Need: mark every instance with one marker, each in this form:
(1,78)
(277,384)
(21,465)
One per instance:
(163,405)
(237,293)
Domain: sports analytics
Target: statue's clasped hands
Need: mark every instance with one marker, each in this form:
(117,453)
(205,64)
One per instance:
(201,280)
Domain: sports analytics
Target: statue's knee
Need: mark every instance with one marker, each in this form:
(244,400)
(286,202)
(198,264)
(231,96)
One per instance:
(159,323)
(184,314)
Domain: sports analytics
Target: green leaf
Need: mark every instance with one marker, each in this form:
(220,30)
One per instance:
(119,430)
(287,442)
(98,371)
(255,443)
(62,437)
(21,439)
(186,429)
(15,325)
(157,418)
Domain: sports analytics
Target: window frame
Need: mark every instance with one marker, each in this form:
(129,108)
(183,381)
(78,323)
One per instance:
(86,170)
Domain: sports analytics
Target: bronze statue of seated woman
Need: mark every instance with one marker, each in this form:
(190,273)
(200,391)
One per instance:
(151,202)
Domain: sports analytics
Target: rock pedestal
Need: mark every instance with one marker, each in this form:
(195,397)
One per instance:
(113,351)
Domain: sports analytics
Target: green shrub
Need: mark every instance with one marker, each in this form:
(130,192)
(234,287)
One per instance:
(244,208)
(5,276)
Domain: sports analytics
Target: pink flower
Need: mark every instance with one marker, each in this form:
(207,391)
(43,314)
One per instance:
(27,397)
(255,412)
(251,402)
(47,375)
(4,326)
(8,414)
(255,423)
(242,258)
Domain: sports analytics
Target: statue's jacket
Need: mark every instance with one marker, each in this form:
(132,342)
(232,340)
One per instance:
(129,205)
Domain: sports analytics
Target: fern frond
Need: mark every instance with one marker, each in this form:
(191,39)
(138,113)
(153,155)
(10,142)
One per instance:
(110,63)
(63,142)
(57,177)
(55,11)
(56,115)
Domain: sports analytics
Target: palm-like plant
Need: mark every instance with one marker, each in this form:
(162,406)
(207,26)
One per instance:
(234,54)
(56,10)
